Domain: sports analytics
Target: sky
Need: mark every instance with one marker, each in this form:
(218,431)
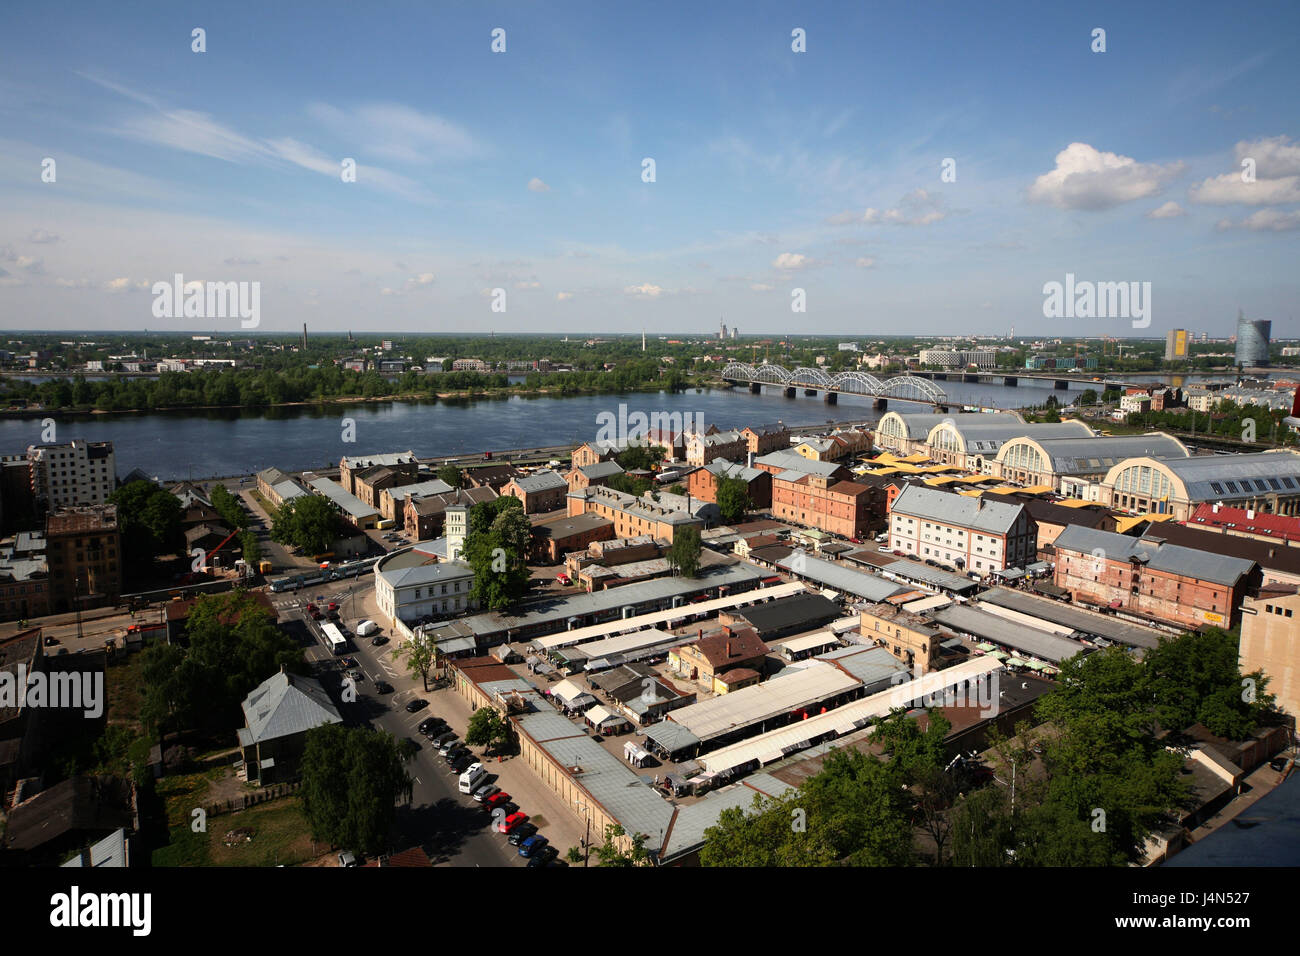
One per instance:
(917,168)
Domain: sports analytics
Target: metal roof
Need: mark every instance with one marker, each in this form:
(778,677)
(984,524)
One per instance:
(285,704)
(1159,556)
(983,438)
(1077,619)
(917,501)
(541,481)
(344,500)
(1082,456)
(1207,476)
(935,577)
(870,665)
(802,687)
(671,736)
(789,460)
(867,586)
(1019,637)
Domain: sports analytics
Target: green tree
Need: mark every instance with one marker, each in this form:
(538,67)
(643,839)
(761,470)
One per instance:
(1088,396)
(149,519)
(497,547)
(610,853)
(451,475)
(308,522)
(732,499)
(352,779)
(1195,677)
(420,653)
(228,506)
(486,729)
(640,457)
(684,553)
(252,548)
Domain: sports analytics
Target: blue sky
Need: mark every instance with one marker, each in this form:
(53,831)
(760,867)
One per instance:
(775,170)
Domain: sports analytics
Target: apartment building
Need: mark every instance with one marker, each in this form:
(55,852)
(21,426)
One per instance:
(703,482)
(540,492)
(633,516)
(970,534)
(594,474)
(413,583)
(1153,579)
(702,449)
(83,552)
(842,508)
(72,474)
(1270,641)
(766,439)
(404,465)
(424,517)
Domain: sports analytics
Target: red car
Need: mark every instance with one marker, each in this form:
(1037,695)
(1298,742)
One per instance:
(563,579)
(496,798)
(512,821)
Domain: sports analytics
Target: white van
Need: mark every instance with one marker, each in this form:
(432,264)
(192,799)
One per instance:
(472,778)
(366,628)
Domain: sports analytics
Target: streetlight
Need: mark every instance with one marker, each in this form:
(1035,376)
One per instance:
(586,841)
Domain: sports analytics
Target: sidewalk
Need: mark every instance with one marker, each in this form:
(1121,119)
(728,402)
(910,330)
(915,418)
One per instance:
(560,824)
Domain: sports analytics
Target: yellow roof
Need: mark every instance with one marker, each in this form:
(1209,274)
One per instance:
(979,479)
(940,480)
(1076,503)
(973,493)
(1124,523)
(1036,490)
(915,459)
(883,471)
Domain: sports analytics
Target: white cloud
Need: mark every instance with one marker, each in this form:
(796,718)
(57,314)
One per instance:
(397,132)
(528,285)
(645,290)
(68,283)
(1229,189)
(1086,178)
(917,208)
(1265,220)
(865,262)
(118,285)
(1170,210)
(762,287)
(791,261)
(537,186)
(1274,157)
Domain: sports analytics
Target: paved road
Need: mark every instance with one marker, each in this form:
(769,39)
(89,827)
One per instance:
(448,823)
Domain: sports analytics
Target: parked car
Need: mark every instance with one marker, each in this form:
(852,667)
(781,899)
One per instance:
(532,845)
(417,703)
(497,799)
(448,745)
(442,738)
(461,763)
(544,857)
(379,641)
(485,791)
(521,833)
(429,723)
(457,753)
(366,628)
(383,687)
(346,858)
(512,821)
(564,579)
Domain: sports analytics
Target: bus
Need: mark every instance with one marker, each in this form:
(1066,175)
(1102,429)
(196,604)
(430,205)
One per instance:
(334,638)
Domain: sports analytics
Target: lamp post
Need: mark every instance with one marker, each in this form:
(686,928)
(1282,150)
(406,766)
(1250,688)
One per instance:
(586,840)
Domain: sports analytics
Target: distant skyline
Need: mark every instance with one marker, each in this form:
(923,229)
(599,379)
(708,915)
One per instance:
(774,170)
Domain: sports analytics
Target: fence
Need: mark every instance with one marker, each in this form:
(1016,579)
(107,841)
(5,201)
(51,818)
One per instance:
(246,800)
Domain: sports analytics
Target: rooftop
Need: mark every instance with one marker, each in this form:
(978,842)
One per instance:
(1170,558)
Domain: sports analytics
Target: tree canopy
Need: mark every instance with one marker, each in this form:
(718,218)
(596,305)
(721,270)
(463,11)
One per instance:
(352,778)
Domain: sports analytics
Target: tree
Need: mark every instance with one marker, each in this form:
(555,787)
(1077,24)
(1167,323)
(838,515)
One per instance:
(732,499)
(308,522)
(149,519)
(252,548)
(352,778)
(496,547)
(486,728)
(228,506)
(421,655)
(684,554)
(1195,677)
(1088,397)
(451,475)
(640,457)
(611,854)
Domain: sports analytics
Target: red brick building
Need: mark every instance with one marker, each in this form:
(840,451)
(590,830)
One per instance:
(703,482)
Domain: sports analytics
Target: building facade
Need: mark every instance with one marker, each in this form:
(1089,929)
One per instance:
(969,534)
(83,553)
(72,474)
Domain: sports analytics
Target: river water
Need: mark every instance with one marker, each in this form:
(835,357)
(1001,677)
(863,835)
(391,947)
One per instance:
(201,444)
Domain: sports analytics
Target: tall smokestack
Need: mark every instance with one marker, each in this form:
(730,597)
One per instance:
(304,336)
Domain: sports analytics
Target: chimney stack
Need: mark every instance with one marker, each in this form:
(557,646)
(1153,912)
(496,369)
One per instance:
(1250,514)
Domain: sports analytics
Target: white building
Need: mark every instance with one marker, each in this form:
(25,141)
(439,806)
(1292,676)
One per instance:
(959,358)
(415,582)
(72,473)
(967,533)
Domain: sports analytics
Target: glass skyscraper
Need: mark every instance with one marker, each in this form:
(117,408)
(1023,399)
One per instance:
(1252,341)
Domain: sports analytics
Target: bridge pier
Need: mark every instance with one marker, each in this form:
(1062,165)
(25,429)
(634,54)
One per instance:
(831,398)
(790,392)
(971,377)
(880,404)
(810,392)
(1061,384)
(1010,380)
(756,388)
(941,409)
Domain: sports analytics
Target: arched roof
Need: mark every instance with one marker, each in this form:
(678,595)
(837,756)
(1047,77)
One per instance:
(983,439)
(1083,456)
(1213,477)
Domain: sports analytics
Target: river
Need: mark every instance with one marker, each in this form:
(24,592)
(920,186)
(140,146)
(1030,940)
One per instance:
(202,444)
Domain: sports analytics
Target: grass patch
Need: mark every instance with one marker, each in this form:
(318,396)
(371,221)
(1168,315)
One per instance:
(280,835)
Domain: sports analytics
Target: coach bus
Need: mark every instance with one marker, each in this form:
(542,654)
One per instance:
(334,638)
